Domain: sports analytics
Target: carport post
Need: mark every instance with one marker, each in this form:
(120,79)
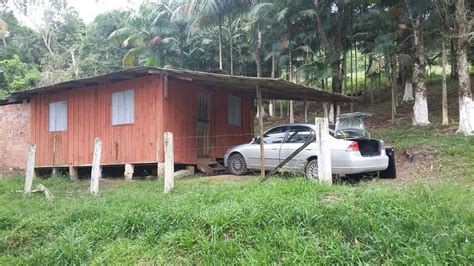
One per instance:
(325,109)
(260,126)
(324,158)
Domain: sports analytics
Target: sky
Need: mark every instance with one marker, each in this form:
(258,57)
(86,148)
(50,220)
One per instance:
(89,9)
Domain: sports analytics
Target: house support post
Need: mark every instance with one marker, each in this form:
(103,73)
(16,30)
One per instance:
(129,170)
(30,169)
(169,162)
(73,173)
(96,169)
(54,172)
(324,158)
(260,127)
(161,169)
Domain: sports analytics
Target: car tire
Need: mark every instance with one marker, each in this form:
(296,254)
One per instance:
(237,165)
(312,169)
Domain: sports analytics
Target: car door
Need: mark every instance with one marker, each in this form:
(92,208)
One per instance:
(296,137)
(273,140)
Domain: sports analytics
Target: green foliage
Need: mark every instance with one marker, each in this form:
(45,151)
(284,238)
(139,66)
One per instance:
(16,75)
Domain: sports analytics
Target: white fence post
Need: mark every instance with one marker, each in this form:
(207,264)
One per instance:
(30,168)
(169,162)
(96,171)
(324,159)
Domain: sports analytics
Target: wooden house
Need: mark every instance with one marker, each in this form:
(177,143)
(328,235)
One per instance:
(131,109)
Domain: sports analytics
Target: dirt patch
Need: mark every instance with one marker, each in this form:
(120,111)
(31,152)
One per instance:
(417,162)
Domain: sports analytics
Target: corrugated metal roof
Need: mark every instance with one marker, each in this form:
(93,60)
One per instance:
(271,88)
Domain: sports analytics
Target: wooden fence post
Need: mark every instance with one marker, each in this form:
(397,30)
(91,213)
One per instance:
(260,129)
(169,162)
(324,159)
(96,171)
(30,169)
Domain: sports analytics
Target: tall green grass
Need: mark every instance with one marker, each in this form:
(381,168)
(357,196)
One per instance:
(246,222)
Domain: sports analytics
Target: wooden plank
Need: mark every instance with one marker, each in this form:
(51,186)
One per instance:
(169,162)
(260,126)
(30,169)
(96,169)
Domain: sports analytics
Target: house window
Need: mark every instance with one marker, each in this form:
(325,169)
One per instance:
(234,110)
(122,107)
(57,116)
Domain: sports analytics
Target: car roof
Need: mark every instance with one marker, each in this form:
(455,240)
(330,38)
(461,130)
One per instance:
(294,124)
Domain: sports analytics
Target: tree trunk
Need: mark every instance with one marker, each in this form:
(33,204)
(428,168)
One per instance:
(454,60)
(356,69)
(420,109)
(258,62)
(74,64)
(332,50)
(466,108)
(271,105)
(331,113)
(231,52)
(220,42)
(408,95)
(281,108)
(290,76)
(393,87)
(444,88)
(337,76)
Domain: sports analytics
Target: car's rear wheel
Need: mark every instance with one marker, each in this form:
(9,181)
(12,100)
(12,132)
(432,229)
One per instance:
(237,165)
(312,169)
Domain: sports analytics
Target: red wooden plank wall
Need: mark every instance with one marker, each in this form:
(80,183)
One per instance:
(180,114)
(89,116)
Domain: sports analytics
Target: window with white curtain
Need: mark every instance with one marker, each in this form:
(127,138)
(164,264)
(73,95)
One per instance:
(57,116)
(122,107)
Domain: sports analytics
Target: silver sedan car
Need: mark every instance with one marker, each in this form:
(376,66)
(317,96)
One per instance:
(347,156)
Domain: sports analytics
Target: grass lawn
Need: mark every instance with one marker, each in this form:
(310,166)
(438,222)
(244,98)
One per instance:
(205,221)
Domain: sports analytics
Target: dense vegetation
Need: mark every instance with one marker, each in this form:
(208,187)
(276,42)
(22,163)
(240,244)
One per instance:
(355,46)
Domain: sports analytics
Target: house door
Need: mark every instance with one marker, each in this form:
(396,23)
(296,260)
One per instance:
(203,125)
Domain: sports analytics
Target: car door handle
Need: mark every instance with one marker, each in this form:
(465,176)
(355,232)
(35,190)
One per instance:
(275,149)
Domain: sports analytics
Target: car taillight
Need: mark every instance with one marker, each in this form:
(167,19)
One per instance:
(353,147)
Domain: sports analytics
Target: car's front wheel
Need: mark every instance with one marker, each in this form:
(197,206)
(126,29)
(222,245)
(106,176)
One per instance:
(312,169)
(237,165)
